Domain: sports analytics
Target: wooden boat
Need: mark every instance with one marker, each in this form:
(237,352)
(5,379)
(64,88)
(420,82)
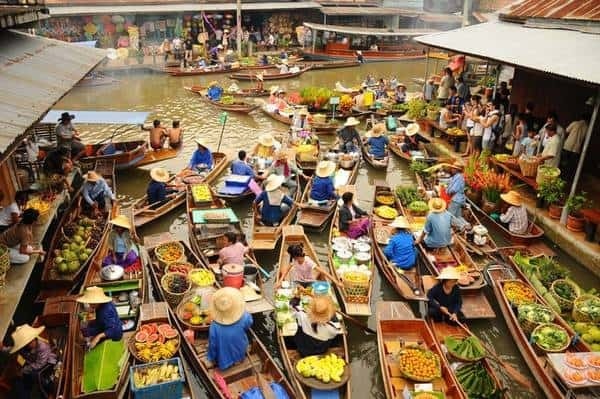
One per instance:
(177,71)
(394,147)
(153,156)
(380,164)
(407,283)
(326,128)
(316,217)
(316,65)
(285,119)
(357,305)
(241,106)
(293,235)
(266,237)
(252,92)
(126,154)
(142,214)
(54,284)
(268,76)
(397,327)
(534,232)
(550,382)
(238,378)
(258,67)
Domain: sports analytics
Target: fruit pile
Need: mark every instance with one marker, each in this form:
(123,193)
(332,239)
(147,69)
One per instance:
(385,199)
(550,337)
(590,333)
(455,131)
(518,293)
(176,283)
(154,342)
(386,212)
(202,277)
(155,374)
(39,204)
(328,368)
(80,239)
(180,267)
(169,252)
(476,381)
(469,348)
(191,312)
(419,364)
(201,193)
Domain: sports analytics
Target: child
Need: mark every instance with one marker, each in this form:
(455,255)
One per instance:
(529,144)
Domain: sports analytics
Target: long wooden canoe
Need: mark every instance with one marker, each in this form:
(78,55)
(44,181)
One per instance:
(268,76)
(293,235)
(316,65)
(277,116)
(177,71)
(239,106)
(407,283)
(395,148)
(380,164)
(251,92)
(238,378)
(143,214)
(126,154)
(265,238)
(397,327)
(353,304)
(152,156)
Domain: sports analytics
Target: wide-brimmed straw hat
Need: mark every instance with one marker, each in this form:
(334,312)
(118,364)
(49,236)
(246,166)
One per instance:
(412,129)
(94,295)
(456,165)
(321,309)
(121,221)
(352,121)
(303,111)
(400,223)
(66,116)
(377,130)
(266,139)
(23,335)
(227,305)
(200,142)
(449,273)
(160,175)
(437,205)
(325,168)
(274,89)
(512,198)
(273,182)
(92,176)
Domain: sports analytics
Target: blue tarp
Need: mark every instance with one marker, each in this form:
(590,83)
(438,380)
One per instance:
(99,117)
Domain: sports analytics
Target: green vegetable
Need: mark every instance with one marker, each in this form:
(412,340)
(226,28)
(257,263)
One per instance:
(418,166)
(418,207)
(417,108)
(102,366)
(550,337)
(407,194)
(536,313)
(469,348)
(476,381)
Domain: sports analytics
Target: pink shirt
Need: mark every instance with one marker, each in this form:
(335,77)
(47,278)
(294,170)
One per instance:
(233,254)
(303,272)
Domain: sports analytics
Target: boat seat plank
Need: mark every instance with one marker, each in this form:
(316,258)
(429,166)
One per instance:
(237,369)
(389,310)
(259,306)
(358,309)
(312,218)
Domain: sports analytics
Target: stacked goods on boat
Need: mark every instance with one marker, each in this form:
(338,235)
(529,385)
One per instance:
(353,262)
(326,368)
(235,185)
(160,379)
(79,239)
(476,381)
(154,342)
(286,321)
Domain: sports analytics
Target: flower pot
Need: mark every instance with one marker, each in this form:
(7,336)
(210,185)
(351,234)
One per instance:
(555,210)
(489,91)
(575,222)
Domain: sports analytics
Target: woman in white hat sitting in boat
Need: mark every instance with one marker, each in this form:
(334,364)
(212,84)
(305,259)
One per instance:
(122,250)
(515,214)
(107,324)
(272,204)
(377,141)
(266,147)
(323,189)
(94,192)
(348,137)
(158,192)
(318,327)
(412,138)
(444,298)
(202,159)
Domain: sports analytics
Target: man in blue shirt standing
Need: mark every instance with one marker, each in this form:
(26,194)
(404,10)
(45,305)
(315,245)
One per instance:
(400,250)
(377,142)
(94,192)
(437,232)
(456,190)
(322,189)
(241,167)
(202,159)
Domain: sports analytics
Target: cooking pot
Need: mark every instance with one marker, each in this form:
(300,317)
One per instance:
(362,247)
(344,256)
(112,272)
(347,163)
(362,258)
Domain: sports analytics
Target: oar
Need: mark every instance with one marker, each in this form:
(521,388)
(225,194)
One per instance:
(491,354)
(264,386)
(259,267)
(469,245)
(357,322)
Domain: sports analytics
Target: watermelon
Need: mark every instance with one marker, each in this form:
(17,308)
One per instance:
(141,336)
(152,338)
(146,328)
(170,334)
(163,328)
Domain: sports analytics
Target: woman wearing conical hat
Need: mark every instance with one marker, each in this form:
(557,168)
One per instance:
(272,204)
(94,193)
(122,250)
(348,137)
(437,232)
(107,324)
(515,214)
(444,298)
(318,327)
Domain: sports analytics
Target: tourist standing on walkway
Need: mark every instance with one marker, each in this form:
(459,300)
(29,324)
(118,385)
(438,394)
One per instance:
(429,89)
(67,136)
(491,125)
(519,135)
(576,132)
(551,153)
(446,82)
(19,238)
(462,89)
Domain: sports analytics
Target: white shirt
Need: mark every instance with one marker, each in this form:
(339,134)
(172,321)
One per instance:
(552,148)
(6,214)
(177,43)
(325,331)
(574,140)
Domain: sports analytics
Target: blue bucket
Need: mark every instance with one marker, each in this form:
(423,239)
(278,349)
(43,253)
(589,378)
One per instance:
(320,287)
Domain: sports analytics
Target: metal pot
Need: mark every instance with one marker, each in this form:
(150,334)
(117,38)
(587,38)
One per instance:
(347,163)
(362,247)
(112,272)
(344,256)
(362,258)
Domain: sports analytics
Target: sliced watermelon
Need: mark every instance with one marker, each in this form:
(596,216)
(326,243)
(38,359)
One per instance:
(170,333)
(163,328)
(161,338)
(146,328)
(152,338)
(141,336)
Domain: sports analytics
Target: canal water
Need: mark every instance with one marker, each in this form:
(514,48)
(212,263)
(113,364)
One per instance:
(165,98)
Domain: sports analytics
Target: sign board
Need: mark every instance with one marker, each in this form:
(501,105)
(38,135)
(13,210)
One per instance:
(334,100)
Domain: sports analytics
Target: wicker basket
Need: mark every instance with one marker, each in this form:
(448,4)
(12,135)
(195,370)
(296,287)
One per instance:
(186,265)
(172,298)
(561,349)
(164,262)
(356,291)
(4,264)
(131,346)
(542,177)
(194,327)
(461,358)
(528,166)
(202,286)
(565,304)
(528,325)
(580,316)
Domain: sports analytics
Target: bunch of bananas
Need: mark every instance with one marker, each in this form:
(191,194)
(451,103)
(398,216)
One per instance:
(356,277)
(324,368)
(386,212)
(155,351)
(39,204)
(153,375)
(455,131)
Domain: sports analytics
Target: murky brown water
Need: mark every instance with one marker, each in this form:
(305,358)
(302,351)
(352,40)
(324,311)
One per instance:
(166,99)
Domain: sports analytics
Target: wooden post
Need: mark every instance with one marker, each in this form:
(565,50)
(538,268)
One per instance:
(427,64)
(239,27)
(466,11)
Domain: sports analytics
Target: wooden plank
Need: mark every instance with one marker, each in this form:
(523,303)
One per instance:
(393,310)
(358,309)
(259,306)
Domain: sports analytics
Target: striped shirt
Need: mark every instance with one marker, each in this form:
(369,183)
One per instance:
(516,217)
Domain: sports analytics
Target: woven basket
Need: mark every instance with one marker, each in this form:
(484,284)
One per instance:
(528,325)
(580,316)
(202,286)
(542,177)
(172,298)
(357,290)
(528,166)
(561,349)
(4,264)
(461,358)
(186,265)
(194,327)
(131,346)
(164,262)
(565,304)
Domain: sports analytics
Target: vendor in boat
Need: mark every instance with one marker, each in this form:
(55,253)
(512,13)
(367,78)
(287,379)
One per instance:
(58,162)
(318,327)
(444,298)
(67,136)
(259,83)
(360,57)
(305,270)
(514,213)
(283,167)
(107,324)
(283,67)
(301,123)
(400,249)
(348,137)
(213,53)
(273,95)
(94,192)
(233,251)
(122,250)
(456,189)
(377,141)
(36,355)
(263,60)
(437,232)
(227,334)
(215,92)
(400,94)
(175,135)
(202,159)
(11,214)
(354,222)
(280,102)
(19,238)
(412,138)
(275,203)
(158,134)
(240,166)
(323,190)
(158,192)
(266,146)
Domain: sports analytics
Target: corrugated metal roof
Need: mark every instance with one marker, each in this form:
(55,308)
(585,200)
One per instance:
(565,53)
(35,73)
(369,11)
(350,30)
(99,117)
(587,10)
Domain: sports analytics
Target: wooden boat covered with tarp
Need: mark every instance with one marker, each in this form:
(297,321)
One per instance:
(144,213)
(294,235)
(267,75)
(399,330)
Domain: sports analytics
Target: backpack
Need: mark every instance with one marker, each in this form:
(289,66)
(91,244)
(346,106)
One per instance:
(498,127)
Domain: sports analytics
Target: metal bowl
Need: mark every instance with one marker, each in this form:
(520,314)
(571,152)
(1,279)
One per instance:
(362,258)
(112,272)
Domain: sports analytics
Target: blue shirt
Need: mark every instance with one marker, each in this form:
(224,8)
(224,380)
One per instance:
(456,188)
(214,93)
(92,191)
(107,321)
(227,344)
(401,250)
(322,189)
(271,214)
(239,167)
(204,157)
(156,192)
(438,227)
(377,146)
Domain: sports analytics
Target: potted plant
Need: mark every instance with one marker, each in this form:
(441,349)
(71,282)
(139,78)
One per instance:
(552,192)
(417,110)
(575,220)
(433,112)
(140,56)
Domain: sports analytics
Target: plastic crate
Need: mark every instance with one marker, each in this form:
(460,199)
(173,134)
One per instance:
(237,180)
(169,389)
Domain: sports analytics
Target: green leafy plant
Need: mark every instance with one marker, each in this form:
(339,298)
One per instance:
(418,207)
(407,194)
(418,166)
(552,191)
(576,203)
(487,81)
(417,108)
(317,97)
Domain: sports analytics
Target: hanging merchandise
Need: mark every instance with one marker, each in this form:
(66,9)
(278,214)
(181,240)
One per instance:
(218,16)
(106,19)
(109,28)
(187,17)
(178,28)
(117,19)
(88,19)
(90,28)
(134,37)
(142,31)
(97,19)
(161,25)
(170,23)
(119,28)
(123,41)
(149,27)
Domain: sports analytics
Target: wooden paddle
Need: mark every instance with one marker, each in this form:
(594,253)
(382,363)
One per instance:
(491,354)
(264,386)
(357,323)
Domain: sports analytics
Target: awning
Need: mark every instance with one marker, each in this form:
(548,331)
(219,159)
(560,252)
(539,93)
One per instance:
(35,73)
(372,11)
(99,117)
(176,8)
(565,53)
(351,30)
